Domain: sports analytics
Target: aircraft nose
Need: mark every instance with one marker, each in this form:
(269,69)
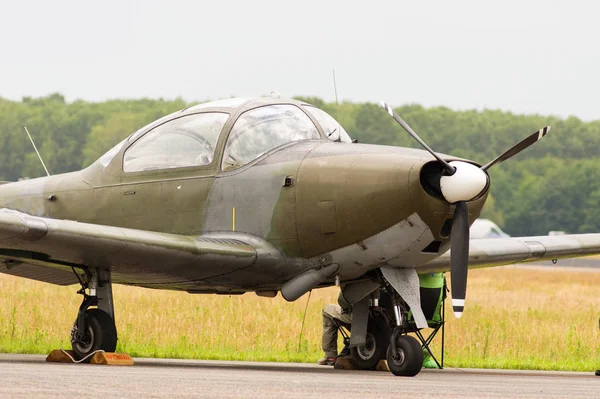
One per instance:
(435,195)
(345,198)
(467,183)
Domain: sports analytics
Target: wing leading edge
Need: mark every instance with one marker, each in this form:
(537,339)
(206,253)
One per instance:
(489,252)
(45,249)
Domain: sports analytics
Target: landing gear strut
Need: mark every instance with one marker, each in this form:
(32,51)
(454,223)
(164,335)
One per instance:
(404,354)
(94,329)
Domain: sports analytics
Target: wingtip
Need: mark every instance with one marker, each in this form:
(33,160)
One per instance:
(458,314)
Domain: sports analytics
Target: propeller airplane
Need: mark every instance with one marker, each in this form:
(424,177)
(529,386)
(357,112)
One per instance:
(261,195)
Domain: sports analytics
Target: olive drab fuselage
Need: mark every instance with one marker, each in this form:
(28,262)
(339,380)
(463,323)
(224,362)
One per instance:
(314,201)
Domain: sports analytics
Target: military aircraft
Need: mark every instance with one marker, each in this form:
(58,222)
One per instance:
(261,195)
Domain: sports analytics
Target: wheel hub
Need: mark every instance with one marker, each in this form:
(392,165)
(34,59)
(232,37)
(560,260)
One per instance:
(86,342)
(367,351)
(399,358)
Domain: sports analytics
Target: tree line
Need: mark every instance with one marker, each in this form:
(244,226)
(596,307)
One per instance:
(553,185)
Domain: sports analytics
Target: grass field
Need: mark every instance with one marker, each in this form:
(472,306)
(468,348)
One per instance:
(520,318)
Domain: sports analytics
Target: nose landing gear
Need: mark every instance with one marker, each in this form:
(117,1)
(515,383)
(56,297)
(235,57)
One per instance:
(404,355)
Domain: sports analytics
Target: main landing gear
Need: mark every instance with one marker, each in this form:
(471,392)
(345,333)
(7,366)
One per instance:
(367,356)
(94,329)
(387,335)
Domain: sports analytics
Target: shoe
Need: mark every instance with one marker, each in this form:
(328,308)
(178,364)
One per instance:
(598,373)
(326,361)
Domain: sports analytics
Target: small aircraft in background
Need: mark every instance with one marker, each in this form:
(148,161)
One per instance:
(485,228)
(261,195)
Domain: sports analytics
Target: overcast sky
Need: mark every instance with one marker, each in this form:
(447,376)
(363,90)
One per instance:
(524,56)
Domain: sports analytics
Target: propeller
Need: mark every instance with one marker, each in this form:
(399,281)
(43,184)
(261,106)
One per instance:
(517,148)
(449,169)
(459,257)
(462,182)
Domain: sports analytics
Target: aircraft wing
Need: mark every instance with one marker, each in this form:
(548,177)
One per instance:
(488,252)
(46,249)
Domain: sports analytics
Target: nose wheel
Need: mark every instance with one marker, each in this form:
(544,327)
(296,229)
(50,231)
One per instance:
(404,355)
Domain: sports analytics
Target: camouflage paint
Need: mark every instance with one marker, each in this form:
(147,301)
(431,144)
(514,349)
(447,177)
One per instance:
(356,205)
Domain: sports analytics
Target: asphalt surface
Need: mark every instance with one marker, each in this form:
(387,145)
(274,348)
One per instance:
(29,376)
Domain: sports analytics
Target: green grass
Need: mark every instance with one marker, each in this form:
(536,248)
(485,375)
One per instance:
(515,318)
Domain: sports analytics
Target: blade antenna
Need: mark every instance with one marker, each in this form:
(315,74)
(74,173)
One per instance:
(337,106)
(36,150)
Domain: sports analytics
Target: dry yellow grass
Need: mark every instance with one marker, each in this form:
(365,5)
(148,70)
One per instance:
(516,318)
(528,318)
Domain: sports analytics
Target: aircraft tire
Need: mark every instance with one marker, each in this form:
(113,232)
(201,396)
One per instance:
(367,357)
(101,335)
(410,356)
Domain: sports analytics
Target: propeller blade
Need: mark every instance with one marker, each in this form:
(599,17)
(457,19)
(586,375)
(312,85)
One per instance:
(517,148)
(449,169)
(459,257)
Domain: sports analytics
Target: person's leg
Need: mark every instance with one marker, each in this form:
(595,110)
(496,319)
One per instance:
(330,333)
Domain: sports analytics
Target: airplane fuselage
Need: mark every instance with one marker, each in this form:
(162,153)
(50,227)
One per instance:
(316,202)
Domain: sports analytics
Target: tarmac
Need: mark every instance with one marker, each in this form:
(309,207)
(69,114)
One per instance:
(29,376)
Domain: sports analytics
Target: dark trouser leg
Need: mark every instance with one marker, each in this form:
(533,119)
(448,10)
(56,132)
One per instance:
(329,339)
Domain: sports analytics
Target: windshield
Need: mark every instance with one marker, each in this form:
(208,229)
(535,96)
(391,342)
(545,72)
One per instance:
(260,130)
(333,130)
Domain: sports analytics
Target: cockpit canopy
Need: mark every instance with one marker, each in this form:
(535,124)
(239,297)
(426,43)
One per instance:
(241,129)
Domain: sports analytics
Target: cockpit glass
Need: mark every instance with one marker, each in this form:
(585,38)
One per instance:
(183,142)
(261,129)
(333,130)
(227,102)
(105,159)
(151,125)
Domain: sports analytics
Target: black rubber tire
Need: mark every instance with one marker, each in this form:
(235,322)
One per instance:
(368,356)
(101,334)
(411,357)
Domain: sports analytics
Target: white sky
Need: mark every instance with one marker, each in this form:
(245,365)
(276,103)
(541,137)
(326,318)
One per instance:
(525,56)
